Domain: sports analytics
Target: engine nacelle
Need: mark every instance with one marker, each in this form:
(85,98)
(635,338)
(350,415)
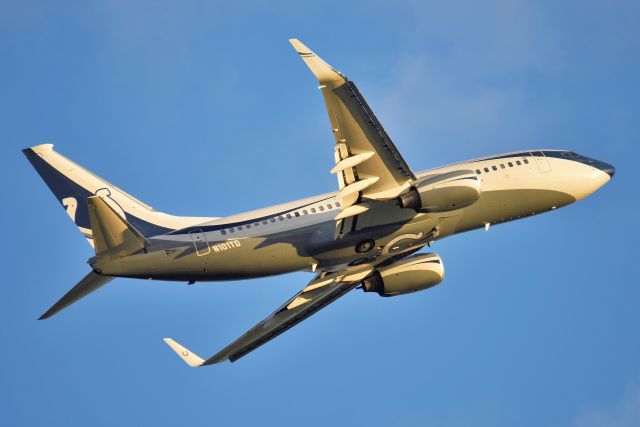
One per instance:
(443,192)
(415,273)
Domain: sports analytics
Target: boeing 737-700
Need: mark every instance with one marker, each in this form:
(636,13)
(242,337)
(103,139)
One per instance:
(366,235)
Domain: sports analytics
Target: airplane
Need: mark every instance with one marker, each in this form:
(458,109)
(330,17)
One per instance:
(366,235)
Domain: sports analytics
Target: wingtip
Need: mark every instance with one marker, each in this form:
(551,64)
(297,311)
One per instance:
(299,46)
(189,357)
(323,71)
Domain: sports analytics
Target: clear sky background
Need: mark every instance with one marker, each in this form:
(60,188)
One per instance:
(203,108)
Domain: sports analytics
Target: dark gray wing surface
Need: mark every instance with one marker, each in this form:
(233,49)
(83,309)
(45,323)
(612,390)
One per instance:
(322,291)
(281,320)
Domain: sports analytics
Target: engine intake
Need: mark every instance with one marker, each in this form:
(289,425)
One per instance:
(443,192)
(412,274)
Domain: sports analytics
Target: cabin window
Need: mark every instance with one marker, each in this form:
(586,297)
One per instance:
(518,163)
(255,224)
(313,210)
(321,208)
(330,206)
(525,161)
(338,204)
(486,169)
(239,227)
(264,222)
(288,216)
(478,171)
(272,220)
(223,232)
(231,230)
(296,213)
(304,212)
(510,164)
(501,165)
(494,168)
(280,217)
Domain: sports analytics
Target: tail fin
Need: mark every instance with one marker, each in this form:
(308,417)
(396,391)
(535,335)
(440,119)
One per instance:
(73,185)
(88,284)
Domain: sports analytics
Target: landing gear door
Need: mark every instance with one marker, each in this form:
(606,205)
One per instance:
(541,161)
(200,242)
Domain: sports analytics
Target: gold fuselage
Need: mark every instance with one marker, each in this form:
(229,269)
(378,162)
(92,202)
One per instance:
(300,236)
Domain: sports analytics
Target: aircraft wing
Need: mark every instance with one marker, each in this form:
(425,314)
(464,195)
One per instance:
(320,292)
(368,164)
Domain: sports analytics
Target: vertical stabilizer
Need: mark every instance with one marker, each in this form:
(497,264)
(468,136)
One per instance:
(72,185)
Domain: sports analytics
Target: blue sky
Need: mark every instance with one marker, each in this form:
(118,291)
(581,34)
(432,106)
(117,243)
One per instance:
(203,108)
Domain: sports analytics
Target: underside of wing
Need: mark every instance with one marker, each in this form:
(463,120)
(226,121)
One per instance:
(320,292)
(296,310)
(369,167)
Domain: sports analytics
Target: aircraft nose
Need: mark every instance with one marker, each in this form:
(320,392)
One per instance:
(607,168)
(603,166)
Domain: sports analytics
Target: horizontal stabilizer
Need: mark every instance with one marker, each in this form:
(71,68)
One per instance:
(185,354)
(112,234)
(88,284)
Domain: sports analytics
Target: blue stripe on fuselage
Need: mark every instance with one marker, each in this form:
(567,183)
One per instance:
(217,227)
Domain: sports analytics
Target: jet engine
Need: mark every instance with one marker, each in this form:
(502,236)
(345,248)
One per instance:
(443,192)
(415,273)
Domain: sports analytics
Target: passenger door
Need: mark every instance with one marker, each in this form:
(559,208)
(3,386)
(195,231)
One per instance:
(541,161)
(200,242)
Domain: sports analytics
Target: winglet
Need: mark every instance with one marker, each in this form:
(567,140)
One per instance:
(185,354)
(324,72)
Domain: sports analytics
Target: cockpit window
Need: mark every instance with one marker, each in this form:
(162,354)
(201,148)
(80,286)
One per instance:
(569,154)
